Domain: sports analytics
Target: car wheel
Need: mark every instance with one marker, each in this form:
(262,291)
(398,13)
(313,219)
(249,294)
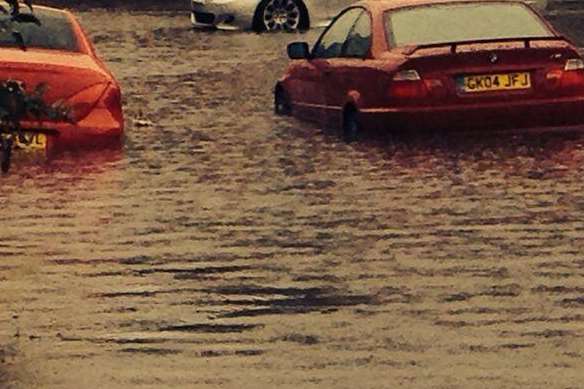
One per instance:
(281,15)
(351,126)
(282,106)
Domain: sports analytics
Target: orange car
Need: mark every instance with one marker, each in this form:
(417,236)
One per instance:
(59,54)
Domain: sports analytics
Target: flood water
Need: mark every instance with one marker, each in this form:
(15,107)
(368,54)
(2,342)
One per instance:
(226,247)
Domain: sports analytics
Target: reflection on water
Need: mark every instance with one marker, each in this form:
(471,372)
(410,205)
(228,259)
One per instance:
(512,153)
(226,247)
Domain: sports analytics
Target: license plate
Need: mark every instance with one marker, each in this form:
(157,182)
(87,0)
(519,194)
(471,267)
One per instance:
(30,141)
(495,82)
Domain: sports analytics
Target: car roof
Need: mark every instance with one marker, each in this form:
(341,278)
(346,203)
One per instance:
(379,7)
(386,5)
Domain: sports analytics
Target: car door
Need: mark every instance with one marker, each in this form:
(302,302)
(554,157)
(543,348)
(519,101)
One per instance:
(350,72)
(328,48)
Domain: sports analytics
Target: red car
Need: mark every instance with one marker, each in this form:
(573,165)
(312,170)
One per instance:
(418,64)
(59,54)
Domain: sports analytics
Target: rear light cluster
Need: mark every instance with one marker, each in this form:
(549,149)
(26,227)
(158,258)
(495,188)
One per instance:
(99,96)
(112,101)
(82,103)
(570,77)
(407,84)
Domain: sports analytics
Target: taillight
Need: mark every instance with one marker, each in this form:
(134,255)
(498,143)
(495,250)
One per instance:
(407,84)
(570,77)
(81,104)
(112,101)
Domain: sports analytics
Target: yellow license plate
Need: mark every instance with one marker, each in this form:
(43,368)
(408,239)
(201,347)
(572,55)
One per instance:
(30,141)
(496,82)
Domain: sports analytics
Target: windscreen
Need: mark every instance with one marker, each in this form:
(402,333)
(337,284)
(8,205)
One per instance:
(454,22)
(55,32)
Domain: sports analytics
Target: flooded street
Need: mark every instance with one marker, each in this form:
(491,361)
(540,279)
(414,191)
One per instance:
(226,247)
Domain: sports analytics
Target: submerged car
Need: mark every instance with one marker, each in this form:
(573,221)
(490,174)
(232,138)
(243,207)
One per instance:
(58,55)
(274,15)
(415,64)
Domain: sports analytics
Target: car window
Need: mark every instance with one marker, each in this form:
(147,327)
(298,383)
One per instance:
(55,32)
(443,23)
(359,40)
(331,42)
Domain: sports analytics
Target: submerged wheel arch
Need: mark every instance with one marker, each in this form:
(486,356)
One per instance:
(282,103)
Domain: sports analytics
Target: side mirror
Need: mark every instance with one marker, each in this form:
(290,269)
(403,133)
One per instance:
(298,50)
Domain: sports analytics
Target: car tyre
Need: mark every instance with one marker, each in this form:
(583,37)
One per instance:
(352,130)
(282,106)
(281,15)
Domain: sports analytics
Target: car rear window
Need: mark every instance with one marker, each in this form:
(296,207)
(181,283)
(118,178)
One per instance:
(453,22)
(55,32)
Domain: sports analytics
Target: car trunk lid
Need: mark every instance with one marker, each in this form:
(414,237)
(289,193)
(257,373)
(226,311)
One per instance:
(64,73)
(470,72)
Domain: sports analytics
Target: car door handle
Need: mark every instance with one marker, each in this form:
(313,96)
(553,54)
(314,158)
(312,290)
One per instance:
(327,72)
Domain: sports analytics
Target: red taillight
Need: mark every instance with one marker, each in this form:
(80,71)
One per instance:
(81,104)
(407,85)
(408,89)
(105,96)
(570,77)
(574,78)
(112,101)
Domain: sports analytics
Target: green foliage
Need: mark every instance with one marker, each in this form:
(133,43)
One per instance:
(16,105)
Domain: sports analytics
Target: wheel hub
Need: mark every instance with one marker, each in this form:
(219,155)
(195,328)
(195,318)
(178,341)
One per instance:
(281,15)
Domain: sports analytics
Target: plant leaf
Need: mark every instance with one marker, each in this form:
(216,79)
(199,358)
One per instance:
(40,89)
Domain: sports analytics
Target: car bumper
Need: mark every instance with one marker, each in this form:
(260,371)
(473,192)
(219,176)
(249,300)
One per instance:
(98,129)
(224,15)
(554,113)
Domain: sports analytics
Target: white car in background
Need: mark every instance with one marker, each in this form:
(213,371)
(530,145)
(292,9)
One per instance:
(274,15)
(265,15)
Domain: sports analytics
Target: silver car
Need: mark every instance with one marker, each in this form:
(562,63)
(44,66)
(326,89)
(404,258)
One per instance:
(265,15)
(274,15)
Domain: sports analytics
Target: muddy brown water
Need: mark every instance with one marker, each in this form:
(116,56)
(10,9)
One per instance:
(224,247)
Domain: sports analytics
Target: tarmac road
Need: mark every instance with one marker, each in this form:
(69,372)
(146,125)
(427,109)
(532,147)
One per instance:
(225,247)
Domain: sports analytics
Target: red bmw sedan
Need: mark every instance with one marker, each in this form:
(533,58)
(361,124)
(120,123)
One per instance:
(395,65)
